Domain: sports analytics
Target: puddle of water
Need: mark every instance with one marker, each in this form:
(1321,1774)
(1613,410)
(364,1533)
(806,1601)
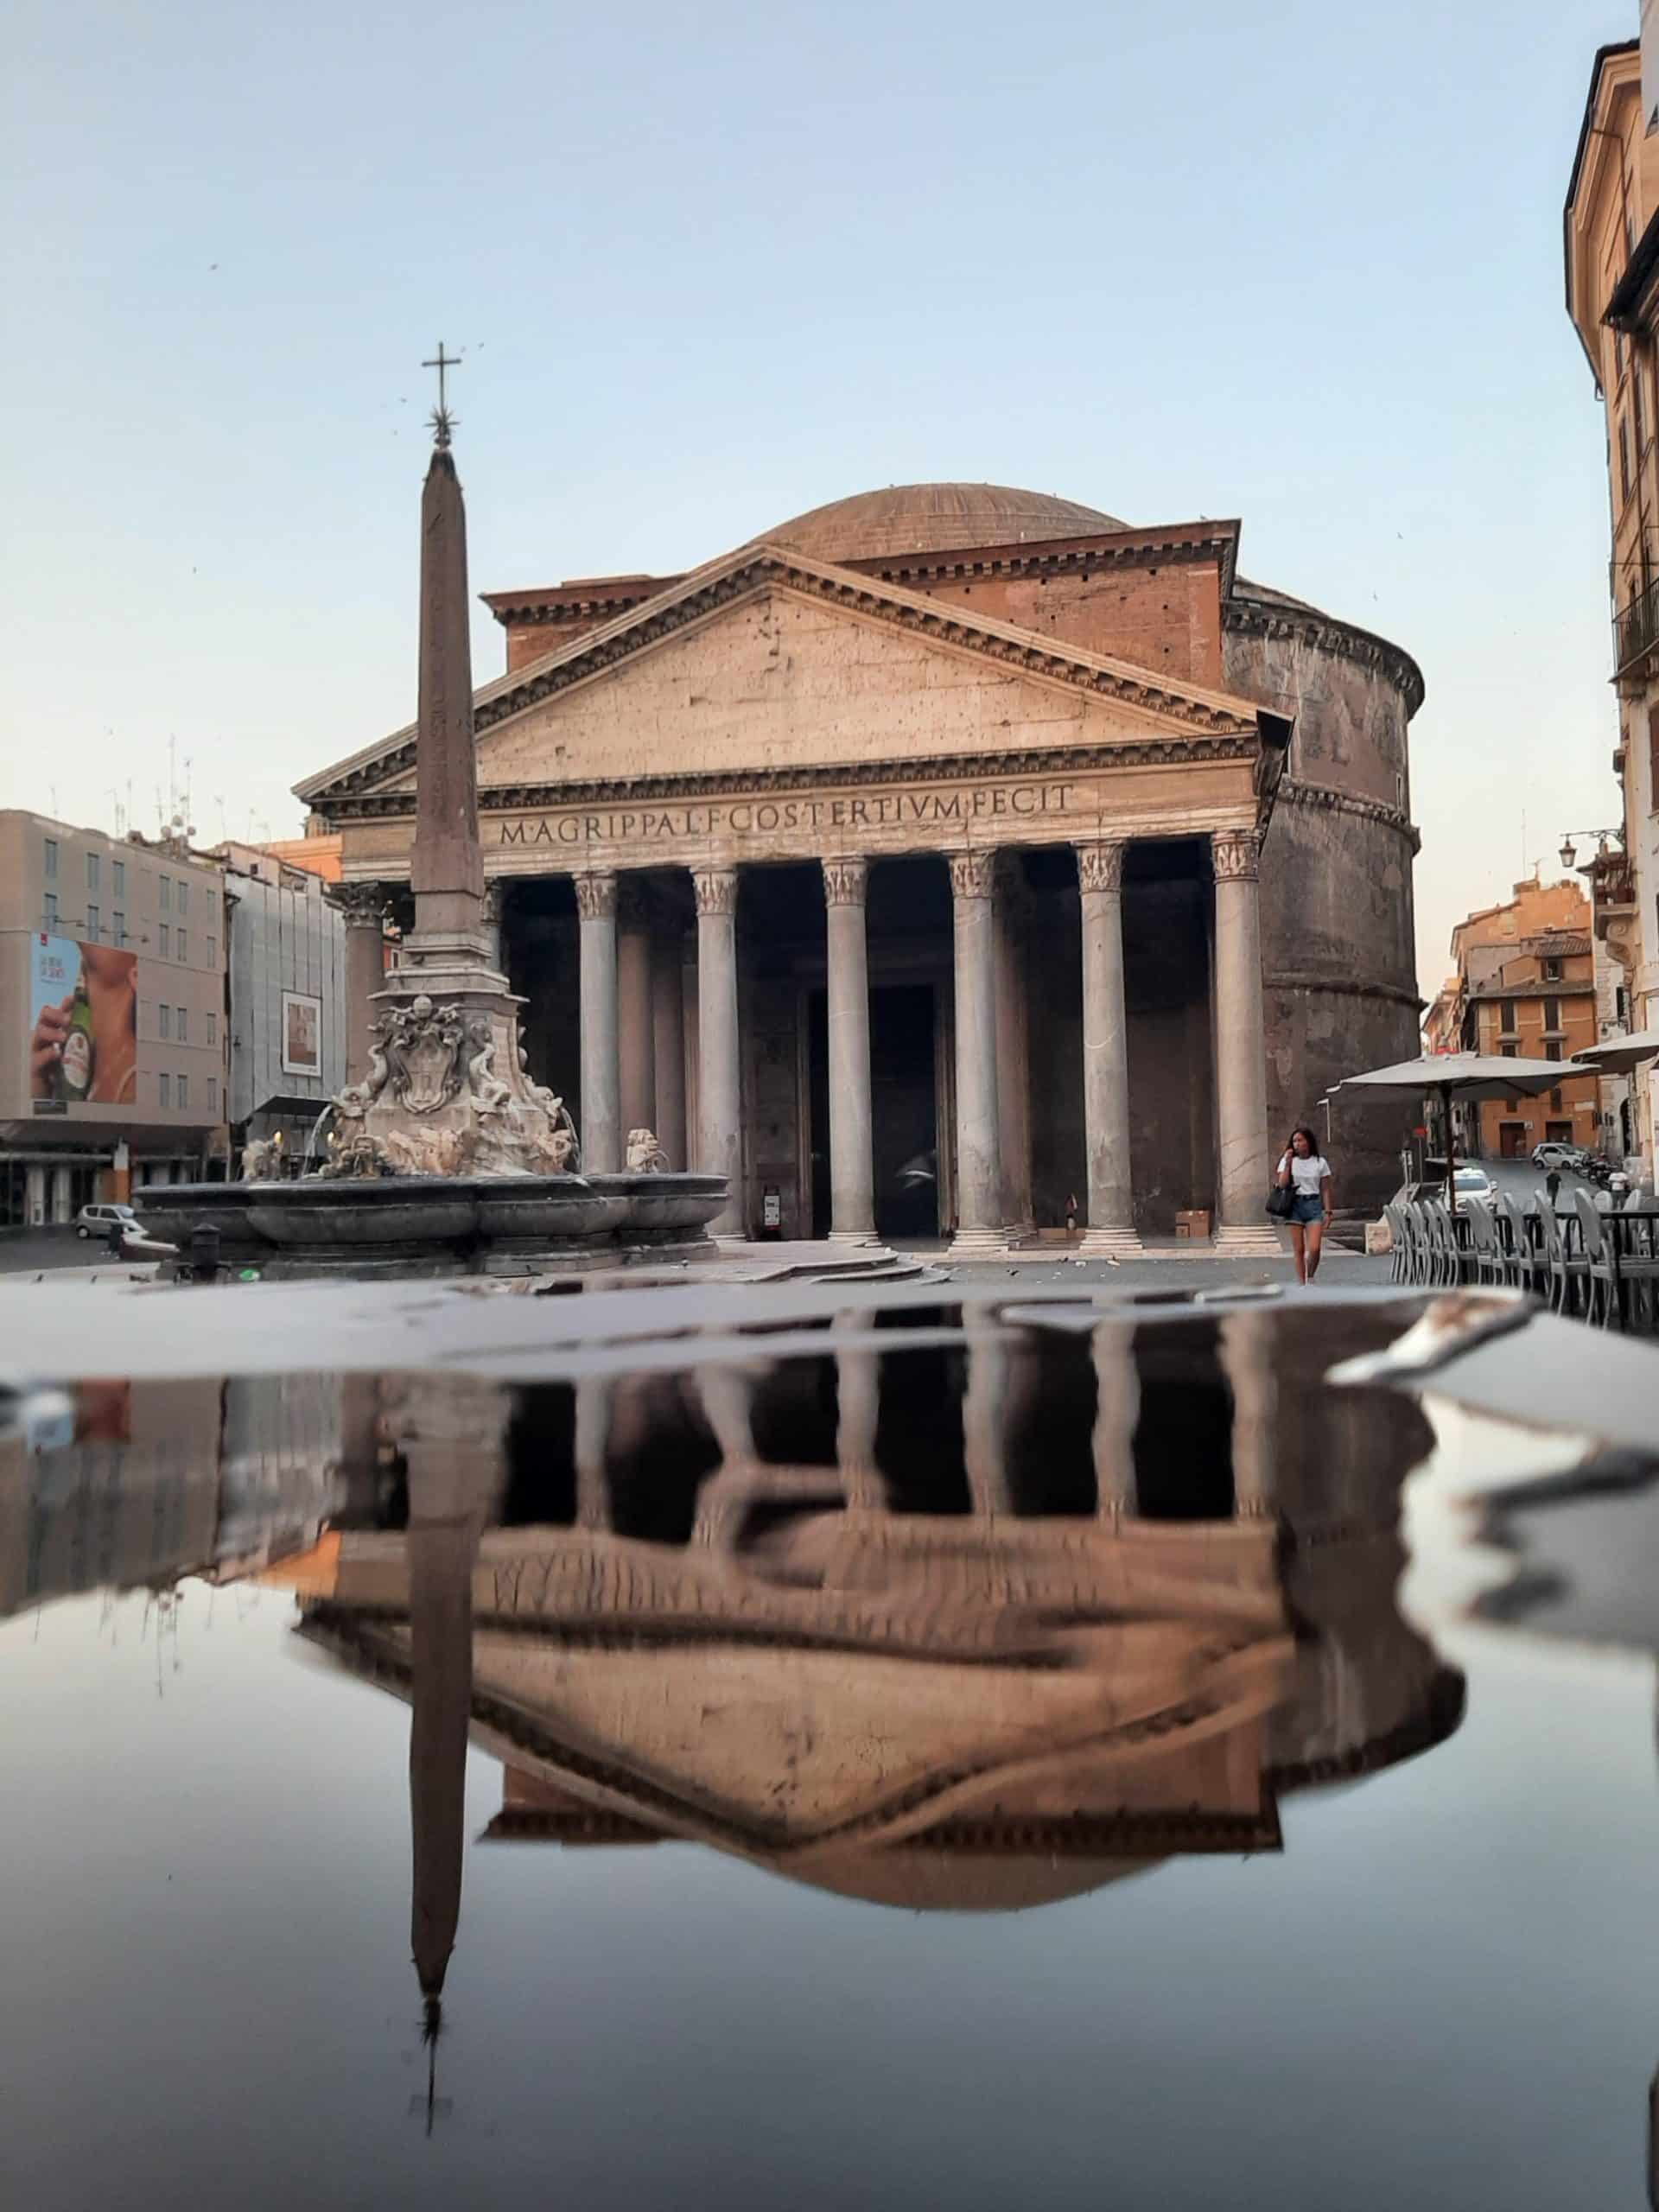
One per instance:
(981,1756)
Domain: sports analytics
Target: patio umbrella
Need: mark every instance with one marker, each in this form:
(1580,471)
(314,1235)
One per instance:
(1621,1055)
(1463,1074)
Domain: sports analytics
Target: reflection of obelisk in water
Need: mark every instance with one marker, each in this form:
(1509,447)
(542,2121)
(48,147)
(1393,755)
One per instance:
(449,1430)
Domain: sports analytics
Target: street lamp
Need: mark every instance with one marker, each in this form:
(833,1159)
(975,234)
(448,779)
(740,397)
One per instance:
(1569,854)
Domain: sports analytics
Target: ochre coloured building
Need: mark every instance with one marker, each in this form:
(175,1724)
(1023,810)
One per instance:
(951,859)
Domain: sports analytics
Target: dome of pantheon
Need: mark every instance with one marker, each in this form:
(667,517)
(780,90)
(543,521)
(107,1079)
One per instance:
(950,518)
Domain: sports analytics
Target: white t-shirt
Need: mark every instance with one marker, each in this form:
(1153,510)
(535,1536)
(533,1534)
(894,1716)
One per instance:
(1306,1175)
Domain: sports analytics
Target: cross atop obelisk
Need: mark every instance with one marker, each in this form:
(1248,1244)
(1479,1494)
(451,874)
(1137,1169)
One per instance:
(442,419)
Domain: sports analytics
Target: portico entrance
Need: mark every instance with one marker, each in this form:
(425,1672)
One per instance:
(905,1081)
(831,888)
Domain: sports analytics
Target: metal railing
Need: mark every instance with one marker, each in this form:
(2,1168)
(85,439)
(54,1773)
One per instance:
(1636,628)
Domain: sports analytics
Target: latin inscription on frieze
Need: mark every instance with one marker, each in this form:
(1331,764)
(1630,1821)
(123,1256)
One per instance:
(700,819)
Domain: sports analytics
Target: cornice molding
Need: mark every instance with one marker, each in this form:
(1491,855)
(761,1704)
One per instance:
(1298,793)
(1081,557)
(1307,979)
(1270,619)
(745,783)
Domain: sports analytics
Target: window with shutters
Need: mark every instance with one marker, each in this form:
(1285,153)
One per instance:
(164,1083)
(1552,1013)
(164,1016)
(1653,759)
(1624,455)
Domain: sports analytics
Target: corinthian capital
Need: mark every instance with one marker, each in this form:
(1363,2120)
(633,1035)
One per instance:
(845,882)
(1100,868)
(1236,854)
(972,875)
(364,904)
(715,890)
(596,894)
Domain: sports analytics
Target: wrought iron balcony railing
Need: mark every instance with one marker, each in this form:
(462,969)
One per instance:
(1636,629)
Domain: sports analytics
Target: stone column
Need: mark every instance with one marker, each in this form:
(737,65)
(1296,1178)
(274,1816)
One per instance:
(1117,1416)
(1013,1049)
(720,1068)
(1105,1052)
(979,1167)
(1241,1047)
(852,1169)
(668,1042)
(600,1130)
(636,1051)
(365,906)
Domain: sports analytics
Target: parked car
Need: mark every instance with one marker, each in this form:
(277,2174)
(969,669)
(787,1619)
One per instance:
(95,1220)
(1553,1153)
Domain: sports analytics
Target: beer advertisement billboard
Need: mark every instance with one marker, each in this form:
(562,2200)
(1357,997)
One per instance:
(83,1025)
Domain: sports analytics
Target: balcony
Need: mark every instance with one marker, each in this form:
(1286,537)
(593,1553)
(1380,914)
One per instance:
(1635,631)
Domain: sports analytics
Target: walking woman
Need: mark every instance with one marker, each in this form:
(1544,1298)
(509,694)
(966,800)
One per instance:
(1306,1174)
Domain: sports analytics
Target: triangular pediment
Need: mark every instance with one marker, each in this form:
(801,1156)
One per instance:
(765,661)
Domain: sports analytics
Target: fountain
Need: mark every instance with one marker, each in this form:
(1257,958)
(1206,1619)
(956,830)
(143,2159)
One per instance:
(445,1157)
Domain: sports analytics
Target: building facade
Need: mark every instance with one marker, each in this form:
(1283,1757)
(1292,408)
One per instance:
(1611,249)
(112,965)
(1523,986)
(286,996)
(952,859)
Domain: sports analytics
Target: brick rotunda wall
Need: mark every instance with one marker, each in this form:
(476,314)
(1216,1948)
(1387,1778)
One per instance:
(1337,931)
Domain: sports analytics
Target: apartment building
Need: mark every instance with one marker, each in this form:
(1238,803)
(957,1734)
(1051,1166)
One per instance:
(1523,986)
(288,996)
(113,976)
(1611,239)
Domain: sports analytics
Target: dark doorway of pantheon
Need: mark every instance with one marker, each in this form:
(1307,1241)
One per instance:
(904,1099)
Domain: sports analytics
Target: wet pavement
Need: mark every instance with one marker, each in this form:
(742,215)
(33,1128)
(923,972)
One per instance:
(1155,1745)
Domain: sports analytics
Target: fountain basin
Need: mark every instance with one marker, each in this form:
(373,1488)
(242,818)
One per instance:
(663,1202)
(439,1224)
(171,1210)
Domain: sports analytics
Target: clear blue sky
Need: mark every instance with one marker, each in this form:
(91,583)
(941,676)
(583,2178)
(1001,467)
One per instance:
(711,266)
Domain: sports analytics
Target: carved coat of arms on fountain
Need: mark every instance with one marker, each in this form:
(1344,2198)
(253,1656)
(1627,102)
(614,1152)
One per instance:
(423,1046)
(433,1103)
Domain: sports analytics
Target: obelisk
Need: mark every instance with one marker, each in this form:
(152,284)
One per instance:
(447,870)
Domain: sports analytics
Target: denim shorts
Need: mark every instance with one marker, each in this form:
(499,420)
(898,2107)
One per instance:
(1304,1210)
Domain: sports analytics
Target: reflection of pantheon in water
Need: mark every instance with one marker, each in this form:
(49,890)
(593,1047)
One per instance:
(973,1617)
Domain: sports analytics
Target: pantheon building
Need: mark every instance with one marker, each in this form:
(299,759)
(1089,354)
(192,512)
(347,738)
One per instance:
(950,859)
